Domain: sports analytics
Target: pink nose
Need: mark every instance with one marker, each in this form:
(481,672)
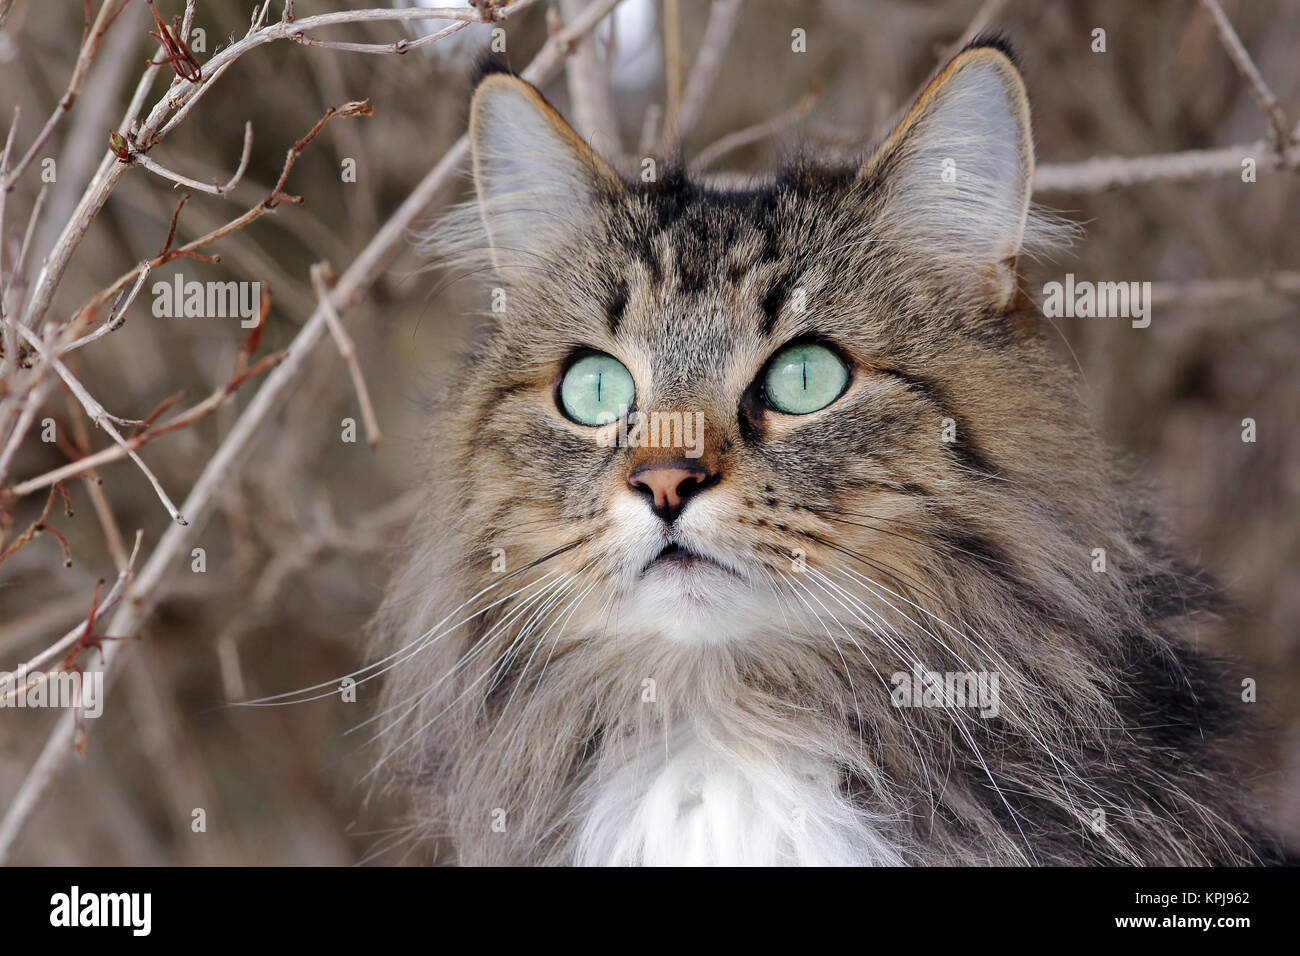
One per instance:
(668,486)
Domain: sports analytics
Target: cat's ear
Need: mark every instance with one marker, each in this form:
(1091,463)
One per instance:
(958,170)
(537,182)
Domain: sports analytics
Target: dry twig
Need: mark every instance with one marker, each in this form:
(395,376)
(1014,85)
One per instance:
(321,276)
(1279,129)
(1096,175)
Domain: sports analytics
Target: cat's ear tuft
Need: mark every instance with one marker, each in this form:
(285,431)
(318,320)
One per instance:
(537,182)
(486,66)
(958,170)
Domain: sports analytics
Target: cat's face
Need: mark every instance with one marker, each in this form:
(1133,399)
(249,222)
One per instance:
(709,398)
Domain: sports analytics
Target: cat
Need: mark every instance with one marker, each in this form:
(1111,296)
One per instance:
(605,651)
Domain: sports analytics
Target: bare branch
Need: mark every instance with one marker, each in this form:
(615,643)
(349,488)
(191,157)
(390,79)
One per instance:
(347,349)
(464,14)
(40,525)
(276,197)
(94,487)
(1278,126)
(397,47)
(89,47)
(126,447)
(20,263)
(708,64)
(215,189)
(124,576)
(117,314)
(589,89)
(179,100)
(672,28)
(29,405)
(1095,175)
(1218,291)
(101,418)
(10,337)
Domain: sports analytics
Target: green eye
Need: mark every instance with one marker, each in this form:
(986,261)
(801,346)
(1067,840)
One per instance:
(804,378)
(596,390)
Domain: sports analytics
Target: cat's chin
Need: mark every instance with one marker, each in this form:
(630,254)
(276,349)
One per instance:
(687,597)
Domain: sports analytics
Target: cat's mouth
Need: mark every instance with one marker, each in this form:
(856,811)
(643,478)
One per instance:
(680,583)
(681,557)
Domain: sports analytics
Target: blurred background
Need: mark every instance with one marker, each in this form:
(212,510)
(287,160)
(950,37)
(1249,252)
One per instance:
(297,556)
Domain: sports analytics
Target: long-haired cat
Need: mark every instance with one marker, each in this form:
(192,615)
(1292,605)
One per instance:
(763,527)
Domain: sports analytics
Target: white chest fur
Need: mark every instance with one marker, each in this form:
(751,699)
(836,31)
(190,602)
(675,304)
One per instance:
(702,805)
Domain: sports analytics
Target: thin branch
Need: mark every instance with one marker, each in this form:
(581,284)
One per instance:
(20,263)
(1095,175)
(468,14)
(346,349)
(177,52)
(180,98)
(723,15)
(126,447)
(92,200)
(124,576)
(1278,126)
(30,404)
(101,418)
(39,525)
(215,189)
(587,75)
(396,48)
(80,448)
(274,199)
(89,47)
(1218,291)
(10,336)
(487,13)
(672,30)
(116,315)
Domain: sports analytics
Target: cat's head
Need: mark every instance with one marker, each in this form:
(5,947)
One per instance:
(701,395)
